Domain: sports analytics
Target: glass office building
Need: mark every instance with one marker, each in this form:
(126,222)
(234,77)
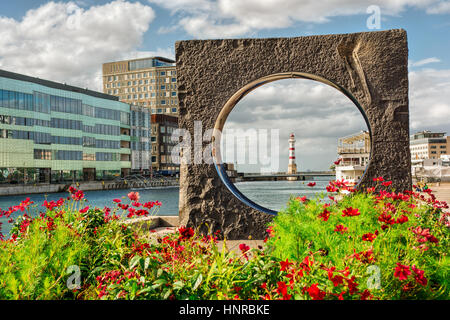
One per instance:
(53,132)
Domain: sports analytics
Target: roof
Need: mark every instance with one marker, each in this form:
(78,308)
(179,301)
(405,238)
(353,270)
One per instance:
(163,59)
(56,85)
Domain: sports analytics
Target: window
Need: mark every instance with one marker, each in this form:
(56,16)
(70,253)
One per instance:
(42,154)
(67,155)
(163,102)
(88,157)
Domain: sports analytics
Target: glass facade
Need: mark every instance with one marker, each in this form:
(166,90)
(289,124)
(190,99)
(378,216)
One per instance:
(51,132)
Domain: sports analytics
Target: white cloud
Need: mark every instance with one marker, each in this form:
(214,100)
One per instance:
(429,103)
(230,18)
(67,43)
(440,8)
(423,62)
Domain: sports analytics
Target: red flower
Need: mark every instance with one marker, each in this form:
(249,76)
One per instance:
(352,285)
(285,265)
(78,195)
(72,190)
(117,200)
(301,199)
(270,231)
(315,293)
(325,215)
(337,161)
(369,237)
(133,196)
(423,235)
(311,184)
(386,183)
(402,271)
(380,179)
(419,276)
(282,289)
(331,188)
(185,233)
(84,210)
(340,228)
(244,248)
(402,219)
(350,212)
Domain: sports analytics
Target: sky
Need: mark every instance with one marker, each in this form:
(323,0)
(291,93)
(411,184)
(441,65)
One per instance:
(67,41)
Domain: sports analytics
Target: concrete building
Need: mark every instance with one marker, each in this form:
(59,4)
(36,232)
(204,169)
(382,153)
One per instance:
(53,132)
(428,145)
(354,155)
(162,128)
(148,82)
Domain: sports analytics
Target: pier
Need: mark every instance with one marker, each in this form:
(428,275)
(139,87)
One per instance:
(283,176)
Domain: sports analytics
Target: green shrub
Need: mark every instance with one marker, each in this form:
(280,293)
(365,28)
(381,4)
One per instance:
(381,235)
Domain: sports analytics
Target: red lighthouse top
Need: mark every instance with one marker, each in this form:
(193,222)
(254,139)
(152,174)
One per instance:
(292,135)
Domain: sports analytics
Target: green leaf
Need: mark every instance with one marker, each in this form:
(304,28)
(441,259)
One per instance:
(177,285)
(134,261)
(167,294)
(146,263)
(198,281)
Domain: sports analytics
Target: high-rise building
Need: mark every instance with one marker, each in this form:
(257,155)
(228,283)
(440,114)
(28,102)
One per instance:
(53,132)
(148,82)
(428,145)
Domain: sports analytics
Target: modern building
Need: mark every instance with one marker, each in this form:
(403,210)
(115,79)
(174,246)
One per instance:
(428,145)
(162,129)
(148,82)
(53,132)
(354,155)
(141,144)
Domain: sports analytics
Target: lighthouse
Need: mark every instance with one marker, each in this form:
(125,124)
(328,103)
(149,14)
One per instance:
(292,167)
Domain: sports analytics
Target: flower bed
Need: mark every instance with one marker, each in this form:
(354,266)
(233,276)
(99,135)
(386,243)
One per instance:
(371,245)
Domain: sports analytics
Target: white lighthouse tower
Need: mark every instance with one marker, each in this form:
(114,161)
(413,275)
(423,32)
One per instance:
(292,167)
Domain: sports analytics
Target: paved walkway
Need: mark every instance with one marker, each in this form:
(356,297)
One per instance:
(442,191)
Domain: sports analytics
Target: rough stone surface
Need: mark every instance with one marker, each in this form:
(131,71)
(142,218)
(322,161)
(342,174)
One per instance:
(372,66)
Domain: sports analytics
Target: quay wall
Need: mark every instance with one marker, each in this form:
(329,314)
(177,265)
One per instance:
(85,186)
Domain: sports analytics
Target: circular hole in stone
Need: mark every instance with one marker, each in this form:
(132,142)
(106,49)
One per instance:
(265,120)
